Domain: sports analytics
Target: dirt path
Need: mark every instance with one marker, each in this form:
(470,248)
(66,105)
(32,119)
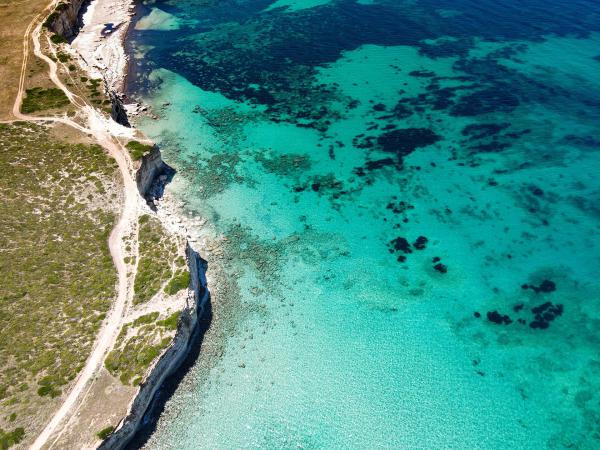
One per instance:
(104,131)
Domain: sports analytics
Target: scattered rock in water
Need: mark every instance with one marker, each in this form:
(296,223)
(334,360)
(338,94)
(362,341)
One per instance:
(420,243)
(546,286)
(441,268)
(539,325)
(544,314)
(498,98)
(483,130)
(518,307)
(537,191)
(422,73)
(477,314)
(404,141)
(497,318)
(400,244)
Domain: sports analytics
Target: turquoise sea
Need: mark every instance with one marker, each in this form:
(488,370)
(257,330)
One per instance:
(402,219)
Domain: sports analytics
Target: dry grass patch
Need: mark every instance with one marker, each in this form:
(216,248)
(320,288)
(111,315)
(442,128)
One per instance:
(16,16)
(58,279)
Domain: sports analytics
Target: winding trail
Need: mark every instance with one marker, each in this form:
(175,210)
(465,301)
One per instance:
(105,132)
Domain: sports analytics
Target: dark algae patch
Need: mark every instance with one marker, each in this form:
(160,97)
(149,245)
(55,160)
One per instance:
(403,142)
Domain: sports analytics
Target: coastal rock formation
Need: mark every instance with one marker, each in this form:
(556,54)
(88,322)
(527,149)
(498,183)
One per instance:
(64,20)
(187,328)
(152,175)
(118,112)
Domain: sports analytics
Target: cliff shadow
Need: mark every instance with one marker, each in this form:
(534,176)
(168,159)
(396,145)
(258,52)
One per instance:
(153,176)
(172,382)
(157,189)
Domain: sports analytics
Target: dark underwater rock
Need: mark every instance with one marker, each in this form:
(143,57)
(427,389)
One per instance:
(400,244)
(404,141)
(496,99)
(546,286)
(539,324)
(441,268)
(497,318)
(483,130)
(422,73)
(420,243)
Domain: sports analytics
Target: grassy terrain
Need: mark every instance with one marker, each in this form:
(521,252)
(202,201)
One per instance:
(144,339)
(180,280)
(137,149)
(39,99)
(15,16)
(58,278)
(139,343)
(157,251)
(10,438)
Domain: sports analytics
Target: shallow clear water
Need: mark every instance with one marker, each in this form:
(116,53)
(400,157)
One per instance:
(409,192)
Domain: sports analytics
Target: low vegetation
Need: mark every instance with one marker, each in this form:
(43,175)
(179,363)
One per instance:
(157,251)
(40,99)
(180,280)
(10,438)
(58,278)
(137,149)
(16,17)
(139,343)
(105,432)
(57,39)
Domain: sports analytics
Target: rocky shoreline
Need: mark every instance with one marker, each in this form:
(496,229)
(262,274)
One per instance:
(84,25)
(169,362)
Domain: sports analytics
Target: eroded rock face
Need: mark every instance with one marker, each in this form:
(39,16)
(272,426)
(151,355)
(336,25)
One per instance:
(171,359)
(64,21)
(118,112)
(152,175)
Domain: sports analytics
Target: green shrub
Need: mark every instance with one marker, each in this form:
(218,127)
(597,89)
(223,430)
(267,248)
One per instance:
(39,99)
(137,149)
(145,319)
(105,432)
(50,390)
(57,39)
(170,322)
(157,250)
(63,57)
(10,438)
(50,19)
(180,281)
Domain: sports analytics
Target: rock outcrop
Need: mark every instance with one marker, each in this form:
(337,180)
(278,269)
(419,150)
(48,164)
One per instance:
(64,20)
(118,112)
(169,362)
(152,175)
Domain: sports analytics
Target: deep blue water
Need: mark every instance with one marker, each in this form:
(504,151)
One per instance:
(399,204)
